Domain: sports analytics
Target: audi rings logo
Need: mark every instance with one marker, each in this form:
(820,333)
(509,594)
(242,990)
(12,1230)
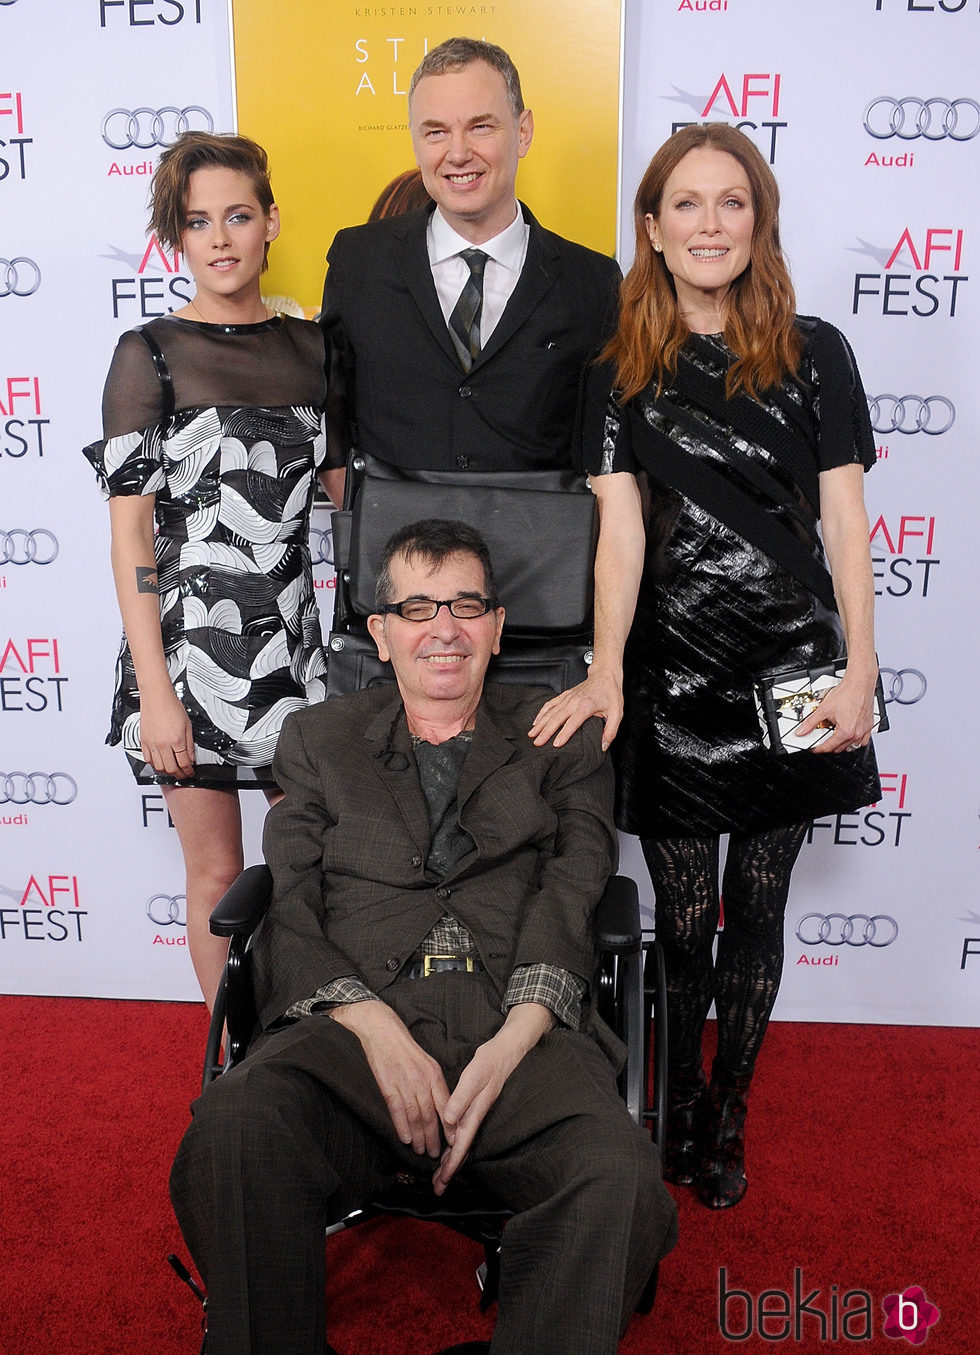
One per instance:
(321,547)
(905,686)
(930,414)
(932,119)
(166,910)
(19,277)
(20,547)
(37,788)
(140,128)
(836,929)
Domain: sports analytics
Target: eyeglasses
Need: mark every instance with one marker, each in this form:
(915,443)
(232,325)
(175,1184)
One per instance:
(427,609)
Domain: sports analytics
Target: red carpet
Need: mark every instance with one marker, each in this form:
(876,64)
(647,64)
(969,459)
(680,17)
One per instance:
(862,1163)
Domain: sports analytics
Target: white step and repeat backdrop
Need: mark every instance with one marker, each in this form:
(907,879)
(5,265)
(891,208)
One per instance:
(868,111)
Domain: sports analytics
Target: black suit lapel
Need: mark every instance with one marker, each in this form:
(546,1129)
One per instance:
(493,748)
(542,266)
(412,260)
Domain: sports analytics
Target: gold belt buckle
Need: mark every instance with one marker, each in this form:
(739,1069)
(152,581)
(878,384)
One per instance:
(427,969)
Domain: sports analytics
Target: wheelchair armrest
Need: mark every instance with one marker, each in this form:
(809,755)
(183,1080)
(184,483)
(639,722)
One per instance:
(241,908)
(617,926)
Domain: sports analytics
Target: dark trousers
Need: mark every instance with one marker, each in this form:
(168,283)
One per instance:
(298,1135)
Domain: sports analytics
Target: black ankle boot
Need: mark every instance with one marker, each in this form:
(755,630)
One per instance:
(722,1183)
(682,1147)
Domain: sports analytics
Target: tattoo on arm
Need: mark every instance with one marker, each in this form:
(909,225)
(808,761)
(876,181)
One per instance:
(146,579)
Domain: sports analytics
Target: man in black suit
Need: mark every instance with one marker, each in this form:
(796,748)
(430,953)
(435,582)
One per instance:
(423,987)
(459,336)
(416,392)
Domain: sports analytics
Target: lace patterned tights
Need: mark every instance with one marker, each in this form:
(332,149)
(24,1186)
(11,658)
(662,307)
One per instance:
(744,978)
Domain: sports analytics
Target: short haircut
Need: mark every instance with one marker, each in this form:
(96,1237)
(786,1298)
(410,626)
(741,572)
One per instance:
(202,150)
(433,541)
(455,54)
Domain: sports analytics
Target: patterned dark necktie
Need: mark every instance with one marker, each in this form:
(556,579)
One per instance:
(464,323)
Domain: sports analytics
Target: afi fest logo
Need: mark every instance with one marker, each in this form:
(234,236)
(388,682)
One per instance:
(22,420)
(920,275)
(156,286)
(751,101)
(31,678)
(13,142)
(927,6)
(903,555)
(47,908)
(147,13)
(878,825)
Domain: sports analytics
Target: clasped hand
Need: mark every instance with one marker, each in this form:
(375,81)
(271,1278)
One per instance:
(848,709)
(423,1112)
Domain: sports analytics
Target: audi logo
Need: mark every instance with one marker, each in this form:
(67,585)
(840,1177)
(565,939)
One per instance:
(930,414)
(164,910)
(140,128)
(933,119)
(19,277)
(836,929)
(906,686)
(37,788)
(20,547)
(321,546)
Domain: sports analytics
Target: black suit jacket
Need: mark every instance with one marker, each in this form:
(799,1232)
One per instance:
(348,843)
(397,381)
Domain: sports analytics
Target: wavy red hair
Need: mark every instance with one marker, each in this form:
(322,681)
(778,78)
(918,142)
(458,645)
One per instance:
(760,308)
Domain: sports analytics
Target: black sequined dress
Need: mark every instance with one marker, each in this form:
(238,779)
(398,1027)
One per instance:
(233,485)
(726,483)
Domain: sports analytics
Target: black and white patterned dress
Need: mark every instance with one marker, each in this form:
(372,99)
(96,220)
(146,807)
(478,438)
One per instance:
(224,425)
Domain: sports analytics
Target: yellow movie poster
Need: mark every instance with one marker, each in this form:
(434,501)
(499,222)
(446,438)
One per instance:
(322,84)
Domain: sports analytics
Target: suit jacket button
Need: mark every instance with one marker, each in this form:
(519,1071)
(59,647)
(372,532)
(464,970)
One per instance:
(466,391)
(462,462)
(391,965)
(443,893)
(416,860)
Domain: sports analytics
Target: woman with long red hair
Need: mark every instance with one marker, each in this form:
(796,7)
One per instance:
(721,428)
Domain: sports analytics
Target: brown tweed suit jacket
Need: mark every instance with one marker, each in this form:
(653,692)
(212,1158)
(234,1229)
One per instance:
(347,847)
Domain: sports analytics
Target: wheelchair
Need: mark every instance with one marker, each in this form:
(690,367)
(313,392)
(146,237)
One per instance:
(536,524)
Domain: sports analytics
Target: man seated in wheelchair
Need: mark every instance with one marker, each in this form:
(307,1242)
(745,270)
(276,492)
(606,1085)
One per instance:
(422,982)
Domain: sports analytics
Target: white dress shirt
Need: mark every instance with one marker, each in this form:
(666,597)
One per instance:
(505,259)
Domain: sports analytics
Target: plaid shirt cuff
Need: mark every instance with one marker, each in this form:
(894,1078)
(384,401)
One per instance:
(557,989)
(333,994)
